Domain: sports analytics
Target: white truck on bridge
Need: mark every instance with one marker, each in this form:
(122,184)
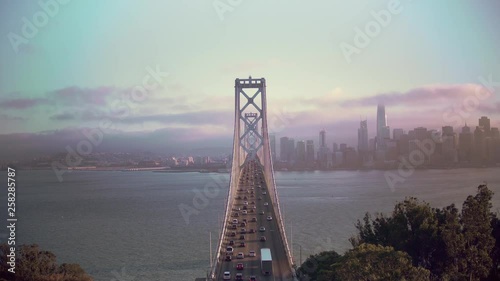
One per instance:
(266,261)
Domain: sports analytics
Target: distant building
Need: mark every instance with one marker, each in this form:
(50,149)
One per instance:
(383,131)
(397,133)
(479,145)
(322,138)
(484,124)
(272,144)
(465,144)
(310,151)
(449,143)
(301,152)
(335,147)
(291,151)
(284,149)
(494,132)
(363,145)
(324,154)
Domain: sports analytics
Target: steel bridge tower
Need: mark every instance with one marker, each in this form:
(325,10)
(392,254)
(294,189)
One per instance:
(251,142)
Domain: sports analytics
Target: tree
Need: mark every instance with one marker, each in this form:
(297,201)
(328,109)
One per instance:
(376,262)
(33,263)
(318,267)
(453,245)
(477,234)
(412,228)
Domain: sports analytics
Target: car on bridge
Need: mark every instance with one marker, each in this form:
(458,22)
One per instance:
(240,266)
(266,204)
(240,255)
(227,275)
(251,254)
(263,238)
(262,229)
(269,218)
(228,258)
(239,276)
(252,278)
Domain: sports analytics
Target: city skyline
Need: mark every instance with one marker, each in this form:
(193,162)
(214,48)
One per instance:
(90,82)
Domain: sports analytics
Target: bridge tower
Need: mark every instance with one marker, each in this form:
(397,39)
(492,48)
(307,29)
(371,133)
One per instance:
(251,141)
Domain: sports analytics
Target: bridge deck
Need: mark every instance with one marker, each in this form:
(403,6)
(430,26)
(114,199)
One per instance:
(252,186)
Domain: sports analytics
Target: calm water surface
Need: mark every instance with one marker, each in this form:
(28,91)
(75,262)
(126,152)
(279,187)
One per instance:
(120,225)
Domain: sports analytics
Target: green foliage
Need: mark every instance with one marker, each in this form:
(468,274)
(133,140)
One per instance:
(318,267)
(452,245)
(375,262)
(32,263)
(417,242)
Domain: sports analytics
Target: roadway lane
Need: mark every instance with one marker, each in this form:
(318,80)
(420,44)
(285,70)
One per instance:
(253,190)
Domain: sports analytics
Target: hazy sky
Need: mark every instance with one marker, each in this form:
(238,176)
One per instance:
(84,60)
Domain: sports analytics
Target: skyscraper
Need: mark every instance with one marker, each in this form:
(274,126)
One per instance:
(479,144)
(284,148)
(324,154)
(291,150)
(484,123)
(322,138)
(272,143)
(363,137)
(310,151)
(465,144)
(397,134)
(383,131)
(301,152)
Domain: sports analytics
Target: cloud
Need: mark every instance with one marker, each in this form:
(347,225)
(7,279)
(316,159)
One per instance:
(7,117)
(187,118)
(428,95)
(22,103)
(167,140)
(489,109)
(63,116)
(78,96)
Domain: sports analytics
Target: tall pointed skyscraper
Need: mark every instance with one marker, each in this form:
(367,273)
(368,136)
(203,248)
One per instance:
(383,131)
